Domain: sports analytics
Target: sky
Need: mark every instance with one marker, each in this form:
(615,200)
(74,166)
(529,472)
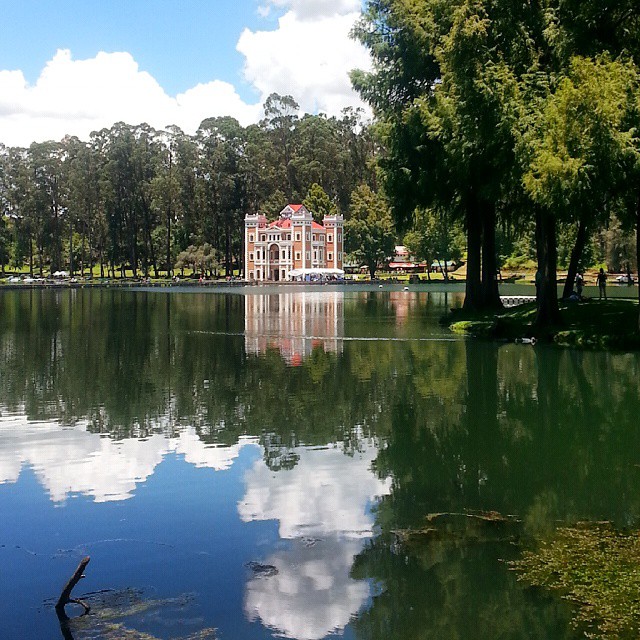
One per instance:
(69,67)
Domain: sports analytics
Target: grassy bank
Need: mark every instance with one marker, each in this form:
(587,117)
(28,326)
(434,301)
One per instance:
(610,324)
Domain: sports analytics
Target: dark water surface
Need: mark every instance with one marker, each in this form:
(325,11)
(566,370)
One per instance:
(241,462)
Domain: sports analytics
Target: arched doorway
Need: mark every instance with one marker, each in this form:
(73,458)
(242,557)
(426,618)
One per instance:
(274,262)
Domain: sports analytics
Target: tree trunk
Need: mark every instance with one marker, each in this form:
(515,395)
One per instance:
(490,291)
(548,314)
(82,252)
(576,256)
(70,248)
(638,251)
(227,251)
(444,271)
(169,265)
(40,259)
(473,286)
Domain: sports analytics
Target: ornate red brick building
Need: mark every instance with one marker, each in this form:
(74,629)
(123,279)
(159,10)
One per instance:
(292,246)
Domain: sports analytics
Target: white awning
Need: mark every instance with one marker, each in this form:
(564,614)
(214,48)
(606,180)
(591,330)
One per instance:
(301,273)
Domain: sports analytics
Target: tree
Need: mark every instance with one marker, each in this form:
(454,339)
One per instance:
(203,259)
(319,203)
(579,150)
(435,238)
(436,87)
(369,232)
(281,118)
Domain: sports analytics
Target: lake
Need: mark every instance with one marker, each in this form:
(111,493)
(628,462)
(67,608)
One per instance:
(250,462)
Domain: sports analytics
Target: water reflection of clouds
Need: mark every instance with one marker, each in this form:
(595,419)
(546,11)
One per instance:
(312,595)
(102,468)
(326,493)
(322,507)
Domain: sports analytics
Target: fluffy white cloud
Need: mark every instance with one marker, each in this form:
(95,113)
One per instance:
(313,499)
(79,96)
(308,59)
(308,55)
(322,506)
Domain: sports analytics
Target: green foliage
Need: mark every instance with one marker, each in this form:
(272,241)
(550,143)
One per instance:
(369,230)
(201,259)
(597,569)
(435,237)
(582,144)
(319,203)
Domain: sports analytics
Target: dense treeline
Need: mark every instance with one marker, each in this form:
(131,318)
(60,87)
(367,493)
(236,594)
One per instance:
(135,198)
(508,116)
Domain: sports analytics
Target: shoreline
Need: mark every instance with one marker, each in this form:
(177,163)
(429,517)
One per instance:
(594,324)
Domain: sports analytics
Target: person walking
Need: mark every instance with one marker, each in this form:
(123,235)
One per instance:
(602,284)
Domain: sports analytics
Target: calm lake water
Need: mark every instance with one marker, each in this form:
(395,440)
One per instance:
(245,462)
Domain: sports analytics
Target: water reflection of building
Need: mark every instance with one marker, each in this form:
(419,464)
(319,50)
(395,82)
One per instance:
(294,323)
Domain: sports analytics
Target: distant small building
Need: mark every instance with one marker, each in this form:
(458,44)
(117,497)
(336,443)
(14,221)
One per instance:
(403,261)
(292,243)
(438,266)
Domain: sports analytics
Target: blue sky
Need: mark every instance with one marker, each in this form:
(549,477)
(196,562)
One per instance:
(179,43)
(180,60)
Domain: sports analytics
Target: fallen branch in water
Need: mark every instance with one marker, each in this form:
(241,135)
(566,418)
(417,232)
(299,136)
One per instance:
(65,597)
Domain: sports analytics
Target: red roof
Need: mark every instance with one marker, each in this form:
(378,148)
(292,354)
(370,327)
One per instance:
(315,225)
(281,223)
(295,207)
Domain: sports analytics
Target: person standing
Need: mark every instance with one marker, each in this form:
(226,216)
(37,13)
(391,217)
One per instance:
(602,284)
(579,284)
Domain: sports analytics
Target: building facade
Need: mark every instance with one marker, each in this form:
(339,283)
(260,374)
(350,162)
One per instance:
(292,243)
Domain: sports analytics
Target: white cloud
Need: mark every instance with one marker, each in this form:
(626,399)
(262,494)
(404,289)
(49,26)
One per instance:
(76,97)
(322,506)
(312,499)
(308,59)
(311,9)
(308,55)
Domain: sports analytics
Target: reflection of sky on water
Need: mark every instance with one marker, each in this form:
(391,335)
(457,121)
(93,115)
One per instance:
(321,507)
(70,461)
(321,504)
(326,493)
(312,595)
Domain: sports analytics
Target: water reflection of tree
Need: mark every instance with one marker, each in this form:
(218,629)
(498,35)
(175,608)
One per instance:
(449,590)
(544,434)
(468,424)
(131,363)
(535,433)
